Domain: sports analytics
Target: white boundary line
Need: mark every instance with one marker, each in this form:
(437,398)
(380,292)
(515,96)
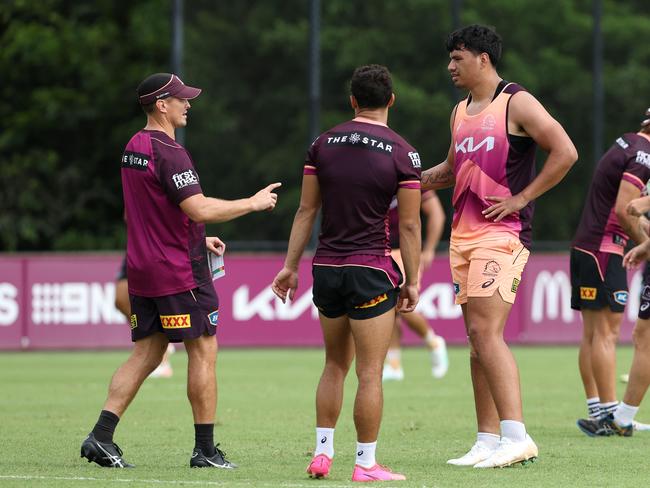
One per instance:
(255,483)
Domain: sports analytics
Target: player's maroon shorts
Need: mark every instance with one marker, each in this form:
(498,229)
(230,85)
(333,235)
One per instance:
(186,315)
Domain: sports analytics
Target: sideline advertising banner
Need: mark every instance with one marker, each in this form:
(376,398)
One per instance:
(63,301)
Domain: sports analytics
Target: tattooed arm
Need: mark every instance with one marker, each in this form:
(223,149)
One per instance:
(442,175)
(438,177)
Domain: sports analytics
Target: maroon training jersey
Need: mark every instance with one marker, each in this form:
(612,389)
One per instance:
(359,165)
(166,252)
(628,159)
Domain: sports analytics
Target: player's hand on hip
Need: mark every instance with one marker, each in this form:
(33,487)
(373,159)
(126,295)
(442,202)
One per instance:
(408,298)
(503,207)
(285,283)
(215,245)
(265,199)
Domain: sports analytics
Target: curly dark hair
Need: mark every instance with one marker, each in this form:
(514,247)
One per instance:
(372,86)
(478,39)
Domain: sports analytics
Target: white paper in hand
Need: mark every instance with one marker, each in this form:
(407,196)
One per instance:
(217,268)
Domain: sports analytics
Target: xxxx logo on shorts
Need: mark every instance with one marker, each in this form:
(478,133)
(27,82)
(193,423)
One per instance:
(176,321)
(587,293)
(374,302)
(134,321)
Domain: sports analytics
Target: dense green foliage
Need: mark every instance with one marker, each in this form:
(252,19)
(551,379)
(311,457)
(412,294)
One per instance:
(266,424)
(67,104)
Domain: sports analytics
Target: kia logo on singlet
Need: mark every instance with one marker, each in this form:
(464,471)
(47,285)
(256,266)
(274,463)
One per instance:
(468,145)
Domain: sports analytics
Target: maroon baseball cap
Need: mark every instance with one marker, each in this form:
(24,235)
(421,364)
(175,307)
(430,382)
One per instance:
(163,85)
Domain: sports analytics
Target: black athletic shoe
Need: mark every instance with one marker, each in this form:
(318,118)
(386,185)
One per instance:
(594,428)
(106,454)
(604,427)
(200,460)
(625,431)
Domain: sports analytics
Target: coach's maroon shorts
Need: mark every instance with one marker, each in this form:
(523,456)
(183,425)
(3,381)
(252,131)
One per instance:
(186,315)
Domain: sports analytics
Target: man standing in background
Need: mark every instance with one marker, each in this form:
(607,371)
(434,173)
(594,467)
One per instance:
(599,282)
(435,219)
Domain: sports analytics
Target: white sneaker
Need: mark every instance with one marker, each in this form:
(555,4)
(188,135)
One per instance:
(509,453)
(439,359)
(164,370)
(392,374)
(480,451)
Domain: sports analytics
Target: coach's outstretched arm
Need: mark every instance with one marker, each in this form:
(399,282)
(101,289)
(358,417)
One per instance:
(286,281)
(205,210)
(532,119)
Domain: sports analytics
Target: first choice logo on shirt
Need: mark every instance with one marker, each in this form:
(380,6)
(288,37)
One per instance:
(186,178)
(643,158)
(415,159)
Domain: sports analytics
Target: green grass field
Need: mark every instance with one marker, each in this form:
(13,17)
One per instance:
(49,401)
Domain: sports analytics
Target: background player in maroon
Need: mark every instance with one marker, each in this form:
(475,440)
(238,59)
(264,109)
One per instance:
(621,420)
(171,292)
(352,171)
(598,279)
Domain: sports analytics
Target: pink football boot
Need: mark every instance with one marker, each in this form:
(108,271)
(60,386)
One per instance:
(376,473)
(319,466)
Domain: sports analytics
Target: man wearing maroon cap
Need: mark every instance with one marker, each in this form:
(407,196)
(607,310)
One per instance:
(170,287)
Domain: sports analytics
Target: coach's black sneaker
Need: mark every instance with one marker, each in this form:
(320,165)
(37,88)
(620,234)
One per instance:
(200,460)
(106,454)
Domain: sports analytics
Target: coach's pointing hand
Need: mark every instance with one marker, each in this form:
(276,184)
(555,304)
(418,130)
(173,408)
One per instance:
(265,199)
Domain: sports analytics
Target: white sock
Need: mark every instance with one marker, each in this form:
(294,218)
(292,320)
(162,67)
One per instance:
(490,440)
(394,355)
(394,358)
(607,408)
(430,339)
(513,430)
(324,442)
(624,414)
(593,407)
(366,454)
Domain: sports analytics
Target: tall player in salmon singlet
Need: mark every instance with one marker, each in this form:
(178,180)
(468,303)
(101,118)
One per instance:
(490,163)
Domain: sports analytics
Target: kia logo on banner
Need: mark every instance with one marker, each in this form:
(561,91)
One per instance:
(267,306)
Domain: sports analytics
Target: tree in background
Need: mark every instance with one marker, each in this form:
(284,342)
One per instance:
(70,70)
